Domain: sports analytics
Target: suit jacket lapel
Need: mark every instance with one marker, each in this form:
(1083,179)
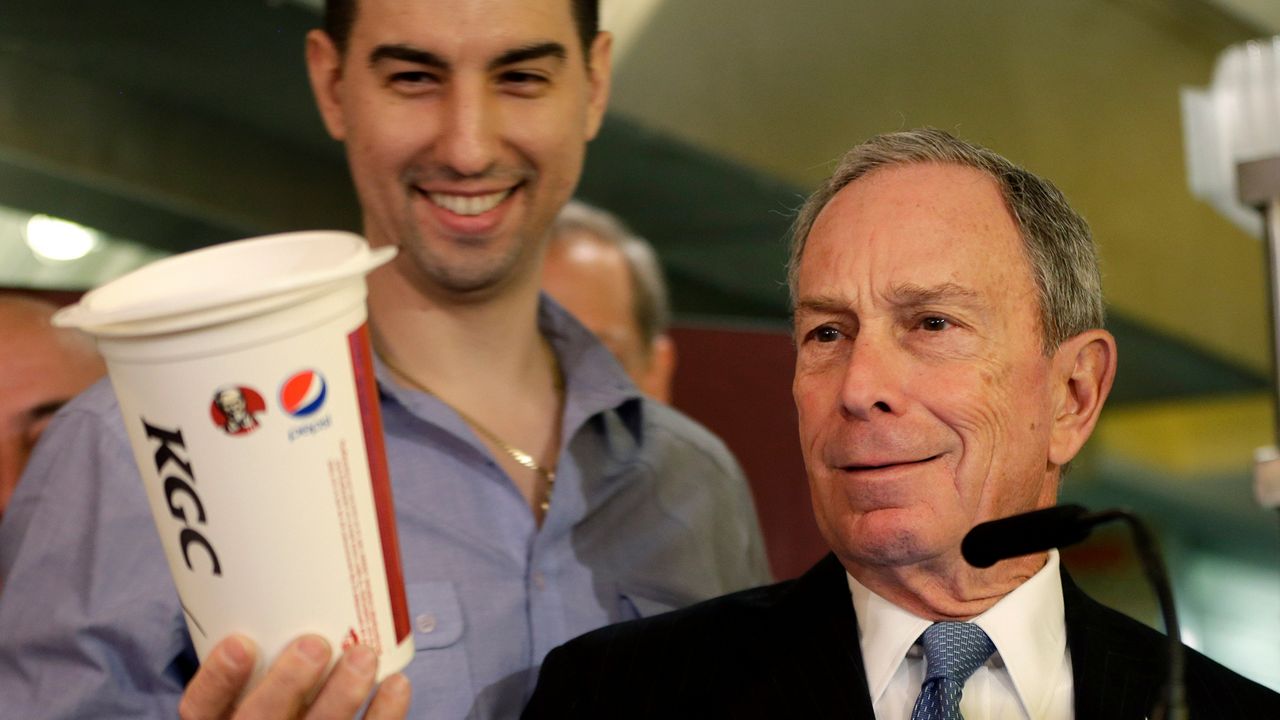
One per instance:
(1114,672)
(818,636)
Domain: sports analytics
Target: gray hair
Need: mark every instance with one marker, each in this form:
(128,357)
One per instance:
(650,305)
(1064,259)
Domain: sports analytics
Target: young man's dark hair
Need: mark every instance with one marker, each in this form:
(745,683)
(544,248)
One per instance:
(339,15)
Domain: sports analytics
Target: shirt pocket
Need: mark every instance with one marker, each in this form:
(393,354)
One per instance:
(440,672)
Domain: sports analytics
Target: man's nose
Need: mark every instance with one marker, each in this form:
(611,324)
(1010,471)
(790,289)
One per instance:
(873,379)
(469,132)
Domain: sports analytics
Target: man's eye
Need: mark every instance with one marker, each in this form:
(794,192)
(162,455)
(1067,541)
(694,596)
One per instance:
(825,334)
(526,82)
(413,79)
(935,324)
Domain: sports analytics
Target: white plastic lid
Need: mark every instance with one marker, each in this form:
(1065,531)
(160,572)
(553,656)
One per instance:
(222,282)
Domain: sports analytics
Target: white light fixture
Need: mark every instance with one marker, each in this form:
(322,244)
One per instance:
(59,240)
(1234,120)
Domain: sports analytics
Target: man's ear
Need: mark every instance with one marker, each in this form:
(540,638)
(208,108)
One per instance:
(324,67)
(662,369)
(1084,367)
(599,80)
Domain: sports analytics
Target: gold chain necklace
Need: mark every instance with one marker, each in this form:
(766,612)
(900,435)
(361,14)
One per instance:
(523,458)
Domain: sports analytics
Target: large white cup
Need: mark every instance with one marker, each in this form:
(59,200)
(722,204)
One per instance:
(245,378)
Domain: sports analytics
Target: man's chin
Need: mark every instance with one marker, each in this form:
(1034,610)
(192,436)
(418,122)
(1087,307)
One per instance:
(466,279)
(894,539)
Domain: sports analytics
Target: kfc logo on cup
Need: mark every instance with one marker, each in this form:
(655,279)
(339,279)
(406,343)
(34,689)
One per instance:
(235,409)
(303,393)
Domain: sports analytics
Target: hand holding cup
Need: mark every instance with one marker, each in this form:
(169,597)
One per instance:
(295,685)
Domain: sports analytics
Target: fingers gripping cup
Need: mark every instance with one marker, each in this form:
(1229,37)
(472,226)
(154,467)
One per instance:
(245,378)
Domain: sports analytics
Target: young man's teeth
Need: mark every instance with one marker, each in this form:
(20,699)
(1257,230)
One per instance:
(468,204)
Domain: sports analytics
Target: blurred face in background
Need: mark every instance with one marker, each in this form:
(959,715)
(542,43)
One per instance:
(41,368)
(590,277)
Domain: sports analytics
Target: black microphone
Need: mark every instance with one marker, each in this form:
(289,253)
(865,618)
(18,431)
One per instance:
(1028,533)
(1063,525)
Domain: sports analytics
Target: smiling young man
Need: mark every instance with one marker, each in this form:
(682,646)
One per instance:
(538,493)
(950,362)
(465,125)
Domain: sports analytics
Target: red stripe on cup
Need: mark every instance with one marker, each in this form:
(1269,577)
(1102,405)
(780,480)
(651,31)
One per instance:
(371,416)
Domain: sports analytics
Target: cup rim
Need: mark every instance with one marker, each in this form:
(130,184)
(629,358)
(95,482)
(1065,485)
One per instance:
(118,308)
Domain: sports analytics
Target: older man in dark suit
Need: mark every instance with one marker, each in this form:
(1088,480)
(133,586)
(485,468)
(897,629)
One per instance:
(950,362)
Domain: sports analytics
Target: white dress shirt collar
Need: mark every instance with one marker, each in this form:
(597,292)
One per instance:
(1026,626)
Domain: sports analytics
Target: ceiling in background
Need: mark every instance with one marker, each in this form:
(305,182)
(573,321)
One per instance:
(1265,14)
(178,125)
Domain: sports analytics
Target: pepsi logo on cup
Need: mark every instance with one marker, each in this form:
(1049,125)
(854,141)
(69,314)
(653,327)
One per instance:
(303,393)
(302,397)
(235,409)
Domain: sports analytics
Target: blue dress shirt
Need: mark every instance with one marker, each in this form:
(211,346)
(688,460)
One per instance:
(650,512)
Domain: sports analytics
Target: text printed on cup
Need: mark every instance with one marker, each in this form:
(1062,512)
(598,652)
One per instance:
(181,483)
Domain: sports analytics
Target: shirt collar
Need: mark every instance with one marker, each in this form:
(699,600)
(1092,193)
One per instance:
(1026,626)
(1030,635)
(886,632)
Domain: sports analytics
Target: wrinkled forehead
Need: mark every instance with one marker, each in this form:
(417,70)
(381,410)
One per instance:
(920,225)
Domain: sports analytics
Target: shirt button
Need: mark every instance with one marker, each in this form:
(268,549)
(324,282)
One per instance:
(539,582)
(426,622)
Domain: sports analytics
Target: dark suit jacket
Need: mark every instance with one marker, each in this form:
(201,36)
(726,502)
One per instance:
(791,650)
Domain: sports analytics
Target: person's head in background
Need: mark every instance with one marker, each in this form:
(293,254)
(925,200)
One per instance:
(41,368)
(611,280)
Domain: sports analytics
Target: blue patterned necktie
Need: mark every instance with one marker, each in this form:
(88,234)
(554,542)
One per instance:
(952,652)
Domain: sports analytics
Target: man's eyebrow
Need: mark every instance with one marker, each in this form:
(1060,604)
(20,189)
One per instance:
(47,408)
(407,53)
(912,294)
(821,304)
(904,295)
(418,56)
(535,51)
